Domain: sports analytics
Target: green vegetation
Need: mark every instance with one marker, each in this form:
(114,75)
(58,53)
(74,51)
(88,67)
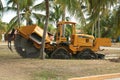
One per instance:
(97,17)
(48,75)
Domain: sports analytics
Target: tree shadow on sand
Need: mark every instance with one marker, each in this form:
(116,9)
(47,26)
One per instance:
(115,60)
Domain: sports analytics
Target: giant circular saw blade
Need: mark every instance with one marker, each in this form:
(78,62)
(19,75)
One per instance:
(25,48)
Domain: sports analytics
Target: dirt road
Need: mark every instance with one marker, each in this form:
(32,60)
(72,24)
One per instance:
(13,67)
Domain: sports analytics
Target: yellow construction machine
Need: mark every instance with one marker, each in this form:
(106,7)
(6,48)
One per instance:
(80,46)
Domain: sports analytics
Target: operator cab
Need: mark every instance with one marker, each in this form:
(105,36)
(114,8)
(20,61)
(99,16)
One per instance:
(64,31)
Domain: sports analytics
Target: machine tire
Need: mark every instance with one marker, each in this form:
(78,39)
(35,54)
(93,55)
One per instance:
(100,56)
(87,54)
(60,53)
(25,48)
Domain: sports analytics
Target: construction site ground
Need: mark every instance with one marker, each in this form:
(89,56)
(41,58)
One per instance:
(13,67)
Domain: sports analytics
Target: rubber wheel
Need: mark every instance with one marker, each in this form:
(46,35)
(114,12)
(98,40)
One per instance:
(87,54)
(25,48)
(60,53)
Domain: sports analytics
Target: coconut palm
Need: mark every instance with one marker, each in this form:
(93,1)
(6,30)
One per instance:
(99,7)
(2,25)
(74,7)
(1,8)
(27,11)
(45,30)
(98,11)
(116,21)
(56,14)
(16,6)
(1,5)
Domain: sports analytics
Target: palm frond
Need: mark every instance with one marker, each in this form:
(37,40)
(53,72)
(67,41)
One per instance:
(12,24)
(40,6)
(38,16)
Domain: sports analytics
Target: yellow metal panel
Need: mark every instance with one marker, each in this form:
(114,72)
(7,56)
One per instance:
(84,42)
(73,48)
(26,31)
(101,42)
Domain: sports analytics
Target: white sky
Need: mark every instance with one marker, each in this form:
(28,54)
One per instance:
(7,16)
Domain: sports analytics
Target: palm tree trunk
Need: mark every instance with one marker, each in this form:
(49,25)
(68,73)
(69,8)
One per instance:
(63,19)
(1,5)
(99,30)
(63,15)
(93,29)
(45,30)
(18,14)
(1,8)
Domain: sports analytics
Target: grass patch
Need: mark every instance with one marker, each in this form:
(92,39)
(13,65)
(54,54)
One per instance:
(47,75)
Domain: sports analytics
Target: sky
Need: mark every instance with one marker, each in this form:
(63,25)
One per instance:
(7,16)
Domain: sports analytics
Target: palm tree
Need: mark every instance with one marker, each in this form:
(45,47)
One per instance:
(74,7)
(55,14)
(1,8)
(16,5)
(81,7)
(45,30)
(2,26)
(98,11)
(1,5)
(116,15)
(27,11)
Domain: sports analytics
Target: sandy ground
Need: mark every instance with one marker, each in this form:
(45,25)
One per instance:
(13,67)
(111,53)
